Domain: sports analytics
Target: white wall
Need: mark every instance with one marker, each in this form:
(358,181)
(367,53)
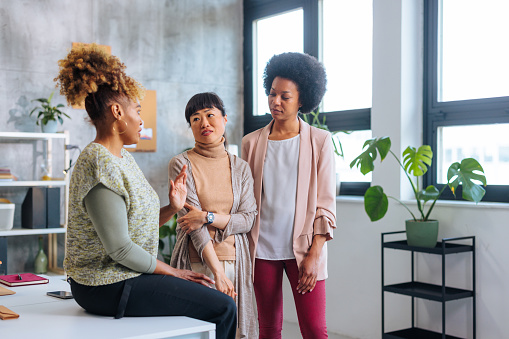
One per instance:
(354,284)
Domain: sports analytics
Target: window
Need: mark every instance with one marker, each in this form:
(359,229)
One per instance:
(337,32)
(346,54)
(466,98)
(266,44)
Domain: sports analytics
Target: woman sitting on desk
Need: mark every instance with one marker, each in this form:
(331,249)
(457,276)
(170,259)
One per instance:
(114,213)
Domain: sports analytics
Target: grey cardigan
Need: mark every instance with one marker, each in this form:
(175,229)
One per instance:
(243,214)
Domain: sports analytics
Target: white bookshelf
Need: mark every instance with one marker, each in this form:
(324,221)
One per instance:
(47,139)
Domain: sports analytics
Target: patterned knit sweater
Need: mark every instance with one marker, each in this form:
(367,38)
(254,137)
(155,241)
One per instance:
(86,260)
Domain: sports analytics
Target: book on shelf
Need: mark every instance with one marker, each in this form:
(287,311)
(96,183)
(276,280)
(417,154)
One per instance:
(5,174)
(26,279)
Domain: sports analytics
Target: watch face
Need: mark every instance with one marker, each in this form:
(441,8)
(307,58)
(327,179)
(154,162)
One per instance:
(210,217)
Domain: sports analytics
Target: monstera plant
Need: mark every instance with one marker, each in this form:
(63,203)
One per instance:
(416,162)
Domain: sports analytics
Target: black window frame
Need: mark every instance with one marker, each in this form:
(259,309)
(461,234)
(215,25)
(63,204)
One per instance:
(453,113)
(349,120)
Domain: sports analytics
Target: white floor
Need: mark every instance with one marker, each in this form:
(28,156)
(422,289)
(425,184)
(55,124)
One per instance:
(291,331)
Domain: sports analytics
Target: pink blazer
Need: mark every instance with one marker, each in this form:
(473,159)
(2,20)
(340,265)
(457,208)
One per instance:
(315,210)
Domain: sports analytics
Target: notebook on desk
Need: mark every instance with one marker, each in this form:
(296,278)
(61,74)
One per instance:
(22,279)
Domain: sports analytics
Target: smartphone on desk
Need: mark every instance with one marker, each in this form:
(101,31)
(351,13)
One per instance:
(60,294)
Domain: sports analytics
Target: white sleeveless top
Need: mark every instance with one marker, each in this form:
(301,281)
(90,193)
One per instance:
(279,194)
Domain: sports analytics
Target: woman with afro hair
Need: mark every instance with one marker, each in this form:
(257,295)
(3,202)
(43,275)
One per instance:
(294,179)
(114,214)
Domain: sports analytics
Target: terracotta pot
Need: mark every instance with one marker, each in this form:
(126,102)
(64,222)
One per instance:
(422,233)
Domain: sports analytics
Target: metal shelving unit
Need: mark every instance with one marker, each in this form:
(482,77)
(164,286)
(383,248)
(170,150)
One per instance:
(415,289)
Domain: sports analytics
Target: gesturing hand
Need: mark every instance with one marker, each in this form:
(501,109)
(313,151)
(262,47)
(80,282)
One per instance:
(193,220)
(178,190)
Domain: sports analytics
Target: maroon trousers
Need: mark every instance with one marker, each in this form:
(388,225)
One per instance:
(269,299)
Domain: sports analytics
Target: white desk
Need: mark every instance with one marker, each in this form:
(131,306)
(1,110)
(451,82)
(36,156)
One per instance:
(42,316)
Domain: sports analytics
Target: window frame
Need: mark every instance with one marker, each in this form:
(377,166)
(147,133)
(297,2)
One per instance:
(453,113)
(348,120)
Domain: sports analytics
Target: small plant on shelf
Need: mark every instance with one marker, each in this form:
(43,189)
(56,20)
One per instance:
(468,173)
(49,114)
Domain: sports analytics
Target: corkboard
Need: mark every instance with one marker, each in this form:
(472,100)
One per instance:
(105,48)
(148,140)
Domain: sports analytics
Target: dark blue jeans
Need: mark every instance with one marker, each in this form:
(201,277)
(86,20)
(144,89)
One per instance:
(159,295)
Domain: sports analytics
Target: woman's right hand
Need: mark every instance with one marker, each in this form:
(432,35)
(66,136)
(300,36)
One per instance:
(178,190)
(223,284)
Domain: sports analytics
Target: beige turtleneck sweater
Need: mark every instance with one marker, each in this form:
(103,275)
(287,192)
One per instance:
(212,175)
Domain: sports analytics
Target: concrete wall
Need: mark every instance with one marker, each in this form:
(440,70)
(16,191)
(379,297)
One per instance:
(177,48)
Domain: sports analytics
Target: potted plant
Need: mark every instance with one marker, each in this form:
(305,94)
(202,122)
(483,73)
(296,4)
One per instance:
(315,122)
(421,230)
(48,115)
(338,147)
(168,231)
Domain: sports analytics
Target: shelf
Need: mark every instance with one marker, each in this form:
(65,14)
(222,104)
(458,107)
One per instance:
(31,136)
(415,333)
(449,247)
(438,293)
(30,231)
(428,291)
(39,183)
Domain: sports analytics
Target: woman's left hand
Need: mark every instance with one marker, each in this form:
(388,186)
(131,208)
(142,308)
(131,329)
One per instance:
(193,220)
(308,272)
(178,190)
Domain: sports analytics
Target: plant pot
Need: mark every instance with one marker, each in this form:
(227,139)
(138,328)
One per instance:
(422,233)
(50,127)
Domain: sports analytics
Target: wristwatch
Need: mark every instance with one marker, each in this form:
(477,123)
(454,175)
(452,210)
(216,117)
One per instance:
(210,218)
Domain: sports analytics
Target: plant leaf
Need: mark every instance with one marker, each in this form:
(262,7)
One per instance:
(375,203)
(164,231)
(464,174)
(366,159)
(417,162)
(430,193)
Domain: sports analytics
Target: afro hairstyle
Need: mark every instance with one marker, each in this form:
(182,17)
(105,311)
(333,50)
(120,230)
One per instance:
(305,71)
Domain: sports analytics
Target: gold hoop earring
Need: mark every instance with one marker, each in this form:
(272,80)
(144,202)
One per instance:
(123,130)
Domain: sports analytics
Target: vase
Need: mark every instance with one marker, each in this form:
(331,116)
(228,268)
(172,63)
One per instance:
(422,233)
(50,127)
(41,260)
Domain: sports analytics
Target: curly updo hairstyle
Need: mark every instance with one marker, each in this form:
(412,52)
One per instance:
(89,74)
(305,71)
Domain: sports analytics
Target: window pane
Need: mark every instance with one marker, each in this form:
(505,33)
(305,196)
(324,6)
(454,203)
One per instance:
(273,35)
(488,144)
(352,146)
(473,57)
(347,53)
